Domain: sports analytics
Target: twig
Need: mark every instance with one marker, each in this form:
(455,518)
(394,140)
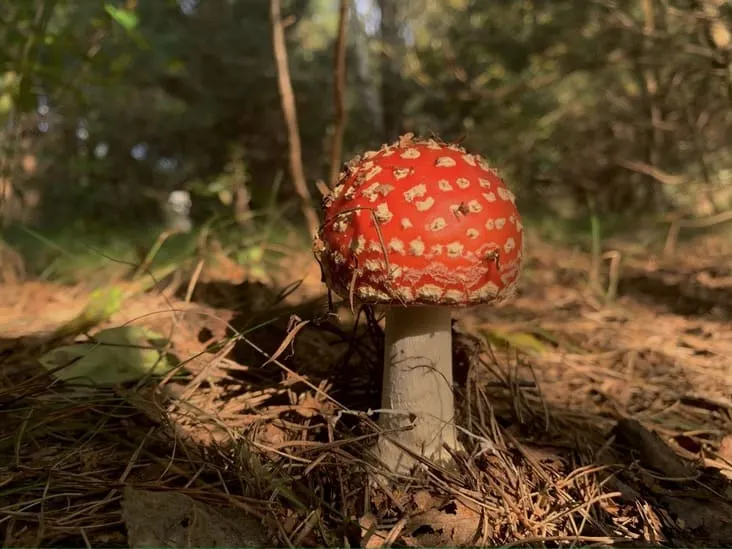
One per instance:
(653,172)
(613,275)
(287,97)
(339,92)
(594,274)
(148,259)
(673,231)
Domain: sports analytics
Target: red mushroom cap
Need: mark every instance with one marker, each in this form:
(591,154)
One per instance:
(420,222)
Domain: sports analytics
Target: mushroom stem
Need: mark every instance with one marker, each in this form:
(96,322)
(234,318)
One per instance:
(417,388)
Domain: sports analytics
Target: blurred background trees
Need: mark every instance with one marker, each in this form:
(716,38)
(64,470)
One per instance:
(108,106)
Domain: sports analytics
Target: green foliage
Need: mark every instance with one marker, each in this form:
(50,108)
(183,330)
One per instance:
(181,88)
(103,303)
(525,342)
(119,103)
(116,355)
(564,95)
(88,250)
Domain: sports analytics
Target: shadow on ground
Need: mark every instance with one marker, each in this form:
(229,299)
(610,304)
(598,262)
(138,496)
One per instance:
(562,446)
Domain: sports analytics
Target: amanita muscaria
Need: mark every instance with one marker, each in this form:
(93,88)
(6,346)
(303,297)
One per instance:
(421,227)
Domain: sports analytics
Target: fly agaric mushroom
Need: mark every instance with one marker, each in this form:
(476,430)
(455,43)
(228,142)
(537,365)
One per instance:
(421,227)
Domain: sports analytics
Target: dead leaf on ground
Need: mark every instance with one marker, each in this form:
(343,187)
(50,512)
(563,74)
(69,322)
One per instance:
(371,538)
(271,434)
(652,451)
(311,404)
(725,448)
(545,456)
(724,463)
(423,500)
(453,524)
(171,519)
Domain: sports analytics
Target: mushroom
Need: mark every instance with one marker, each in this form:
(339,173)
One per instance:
(421,227)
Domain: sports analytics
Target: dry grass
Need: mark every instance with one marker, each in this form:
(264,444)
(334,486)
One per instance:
(560,448)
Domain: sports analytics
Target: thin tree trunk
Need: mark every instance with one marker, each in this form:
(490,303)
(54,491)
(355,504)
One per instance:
(651,82)
(287,97)
(339,92)
(391,58)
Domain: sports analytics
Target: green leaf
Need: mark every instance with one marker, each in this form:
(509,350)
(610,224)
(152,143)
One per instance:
(253,254)
(103,303)
(6,103)
(127,19)
(116,355)
(523,341)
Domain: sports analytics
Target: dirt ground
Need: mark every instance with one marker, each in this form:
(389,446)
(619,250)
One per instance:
(588,420)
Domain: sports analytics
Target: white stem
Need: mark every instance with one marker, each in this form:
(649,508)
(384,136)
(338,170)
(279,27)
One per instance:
(417,383)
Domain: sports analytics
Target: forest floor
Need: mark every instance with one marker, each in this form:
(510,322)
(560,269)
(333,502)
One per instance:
(593,421)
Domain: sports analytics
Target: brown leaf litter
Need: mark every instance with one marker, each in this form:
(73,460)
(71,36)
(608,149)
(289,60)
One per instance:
(618,432)
(172,519)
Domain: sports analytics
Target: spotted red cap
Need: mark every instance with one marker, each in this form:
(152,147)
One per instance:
(420,222)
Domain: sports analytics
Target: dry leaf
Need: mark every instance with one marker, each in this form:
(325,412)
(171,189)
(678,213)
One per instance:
(423,500)
(308,405)
(375,540)
(291,335)
(543,455)
(371,538)
(271,434)
(725,448)
(171,519)
(452,524)
(724,463)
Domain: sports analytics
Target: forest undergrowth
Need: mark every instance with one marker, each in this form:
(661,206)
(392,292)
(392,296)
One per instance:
(586,420)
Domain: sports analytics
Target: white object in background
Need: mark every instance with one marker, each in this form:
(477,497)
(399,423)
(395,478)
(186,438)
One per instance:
(177,211)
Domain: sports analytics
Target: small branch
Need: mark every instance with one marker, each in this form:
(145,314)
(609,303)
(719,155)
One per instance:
(594,274)
(613,275)
(339,91)
(652,172)
(287,97)
(672,237)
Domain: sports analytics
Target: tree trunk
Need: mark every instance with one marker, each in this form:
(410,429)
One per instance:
(392,52)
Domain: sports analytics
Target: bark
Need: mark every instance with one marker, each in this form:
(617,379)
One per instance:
(287,97)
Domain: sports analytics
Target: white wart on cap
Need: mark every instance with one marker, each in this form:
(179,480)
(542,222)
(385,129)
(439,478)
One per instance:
(421,222)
